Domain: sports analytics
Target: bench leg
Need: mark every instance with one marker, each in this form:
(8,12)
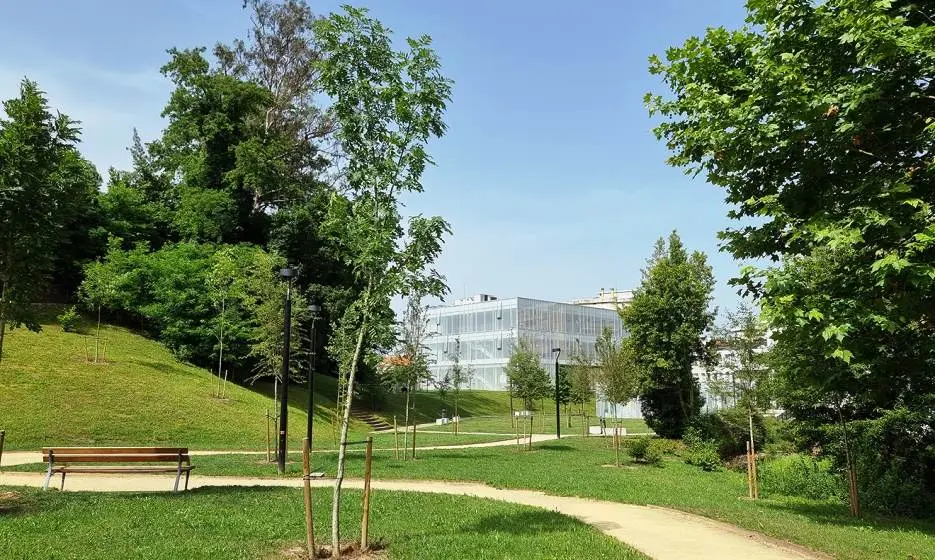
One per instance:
(48,478)
(62,487)
(187,473)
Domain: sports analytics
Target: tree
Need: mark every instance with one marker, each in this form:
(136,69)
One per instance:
(459,376)
(99,289)
(667,318)
(529,380)
(748,381)
(815,120)
(41,177)
(616,370)
(411,366)
(581,375)
(387,104)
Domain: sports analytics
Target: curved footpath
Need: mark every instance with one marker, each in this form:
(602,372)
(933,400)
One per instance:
(660,533)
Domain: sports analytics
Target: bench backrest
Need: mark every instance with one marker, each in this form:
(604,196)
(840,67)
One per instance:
(115,454)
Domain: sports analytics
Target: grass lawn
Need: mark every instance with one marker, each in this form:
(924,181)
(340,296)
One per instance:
(575,467)
(142,396)
(541,424)
(227,523)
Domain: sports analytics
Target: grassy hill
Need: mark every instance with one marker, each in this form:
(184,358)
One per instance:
(50,395)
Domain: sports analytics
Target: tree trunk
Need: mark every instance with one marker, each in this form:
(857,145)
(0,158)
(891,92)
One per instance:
(97,344)
(342,447)
(221,351)
(406,423)
(2,317)
(854,498)
(457,417)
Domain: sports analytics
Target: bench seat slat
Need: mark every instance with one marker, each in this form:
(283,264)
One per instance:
(119,470)
(67,458)
(115,450)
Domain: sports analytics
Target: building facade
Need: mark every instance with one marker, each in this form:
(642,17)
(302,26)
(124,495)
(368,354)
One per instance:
(482,330)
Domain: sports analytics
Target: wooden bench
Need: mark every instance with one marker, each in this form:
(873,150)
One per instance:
(63,460)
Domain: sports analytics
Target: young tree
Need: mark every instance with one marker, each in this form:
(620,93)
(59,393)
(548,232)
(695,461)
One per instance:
(99,289)
(41,175)
(616,369)
(410,369)
(581,375)
(459,376)
(387,104)
(669,314)
(529,380)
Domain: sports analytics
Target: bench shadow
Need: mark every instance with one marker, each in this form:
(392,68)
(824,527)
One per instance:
(837,514)
(522,523)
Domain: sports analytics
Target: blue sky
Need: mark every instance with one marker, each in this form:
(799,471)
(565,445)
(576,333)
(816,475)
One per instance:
(550,175)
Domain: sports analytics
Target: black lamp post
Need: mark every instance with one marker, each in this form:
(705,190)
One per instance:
(286,274)
(313,311)
(558,419)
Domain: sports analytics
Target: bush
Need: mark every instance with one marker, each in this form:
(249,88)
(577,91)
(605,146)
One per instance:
(801,476)
(670,446)
(701,452)
(895,460)
(69,320)
(644,450)
(729,428)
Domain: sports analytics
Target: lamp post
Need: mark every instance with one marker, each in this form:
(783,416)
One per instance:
(286,274)
(558,419)
(313,311)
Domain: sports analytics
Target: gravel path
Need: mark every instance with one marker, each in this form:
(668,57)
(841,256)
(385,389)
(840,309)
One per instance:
(660,533)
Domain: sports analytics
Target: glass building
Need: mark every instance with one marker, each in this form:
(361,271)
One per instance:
(482,331)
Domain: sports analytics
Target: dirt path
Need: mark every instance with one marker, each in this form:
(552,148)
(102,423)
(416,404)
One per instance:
(11,458)
(660,533)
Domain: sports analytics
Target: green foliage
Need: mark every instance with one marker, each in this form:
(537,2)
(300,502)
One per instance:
(45,185)
(669,314)
(580,373)
(528,379)
(801,476)
(644,450)
(701,452)
(70,319)
(729,428)
(670,446)
(617,369)
(894,457)
(744,376)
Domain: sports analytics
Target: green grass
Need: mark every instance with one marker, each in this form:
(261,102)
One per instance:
(142,396)
(228,523)
(541,424)
(576,467)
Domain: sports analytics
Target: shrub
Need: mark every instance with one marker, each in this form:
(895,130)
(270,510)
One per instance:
(729,428)
(895,460)
(644,450)
(701,452)
(670,446)
(69,320)
(801,476)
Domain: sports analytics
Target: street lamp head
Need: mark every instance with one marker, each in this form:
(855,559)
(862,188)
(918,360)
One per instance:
(556,350)
(287,273)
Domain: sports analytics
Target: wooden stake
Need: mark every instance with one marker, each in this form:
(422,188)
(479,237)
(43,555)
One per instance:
(529,445)
(268,458)
(413,439)
(617,443)
(756,481)
(365,520)
(396,437)
(749,473)
(309,524)
(516,430)
(2,437)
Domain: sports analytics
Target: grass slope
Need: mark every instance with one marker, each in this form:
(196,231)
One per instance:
(227,523)
(49,395)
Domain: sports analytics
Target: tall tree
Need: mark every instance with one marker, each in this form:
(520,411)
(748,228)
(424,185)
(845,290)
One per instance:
(667,319)
(387,105)
(617,372)
(42,176)
(815,119)
(528,379)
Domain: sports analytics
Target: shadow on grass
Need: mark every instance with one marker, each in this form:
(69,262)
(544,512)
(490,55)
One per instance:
(837,514)
(522,523)
(163,367)
(554,447)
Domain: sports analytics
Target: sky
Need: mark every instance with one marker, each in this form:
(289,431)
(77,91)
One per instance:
(550,175)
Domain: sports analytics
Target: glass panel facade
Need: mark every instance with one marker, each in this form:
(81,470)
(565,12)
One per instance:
(483,334)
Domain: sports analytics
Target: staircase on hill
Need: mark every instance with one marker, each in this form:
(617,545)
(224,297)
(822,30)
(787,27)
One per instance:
(376,424)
